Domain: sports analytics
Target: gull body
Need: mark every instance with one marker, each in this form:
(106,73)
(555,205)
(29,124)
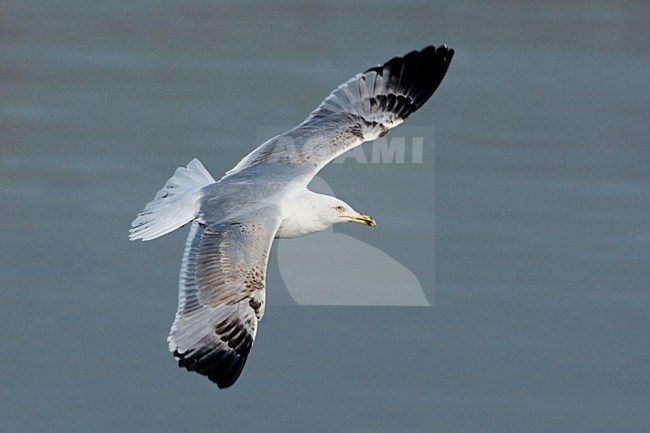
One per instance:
(235,219)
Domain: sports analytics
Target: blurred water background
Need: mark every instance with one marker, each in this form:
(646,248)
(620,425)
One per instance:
(542,197)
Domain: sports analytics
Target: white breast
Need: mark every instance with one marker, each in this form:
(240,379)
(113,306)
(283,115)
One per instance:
(299,225)
(302,216)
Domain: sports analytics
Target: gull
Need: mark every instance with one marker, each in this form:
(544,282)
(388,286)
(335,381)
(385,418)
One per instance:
(265,196)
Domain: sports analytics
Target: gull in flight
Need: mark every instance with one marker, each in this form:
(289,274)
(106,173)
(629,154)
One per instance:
(265,196)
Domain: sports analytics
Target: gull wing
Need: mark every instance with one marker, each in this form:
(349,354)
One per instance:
(221,296)
(361,109)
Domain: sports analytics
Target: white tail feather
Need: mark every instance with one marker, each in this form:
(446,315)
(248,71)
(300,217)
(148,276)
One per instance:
(174,205)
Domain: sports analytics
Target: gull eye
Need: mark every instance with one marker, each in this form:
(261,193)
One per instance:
(338,208)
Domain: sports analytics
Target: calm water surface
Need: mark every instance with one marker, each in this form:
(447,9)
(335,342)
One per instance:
(540,198)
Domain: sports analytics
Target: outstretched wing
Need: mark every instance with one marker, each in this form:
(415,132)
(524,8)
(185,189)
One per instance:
(361,109)
(221,296)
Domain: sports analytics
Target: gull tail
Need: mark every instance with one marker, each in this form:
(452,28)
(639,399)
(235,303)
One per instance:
(385,95)
(174,205)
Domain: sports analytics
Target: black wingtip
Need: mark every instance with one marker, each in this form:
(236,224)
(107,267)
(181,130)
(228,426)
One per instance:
(441,54)
(416,75)
(222,367)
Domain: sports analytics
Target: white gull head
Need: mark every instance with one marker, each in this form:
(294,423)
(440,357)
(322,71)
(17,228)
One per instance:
(311,212)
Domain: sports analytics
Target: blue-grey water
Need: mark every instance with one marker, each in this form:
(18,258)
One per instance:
(541,320)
